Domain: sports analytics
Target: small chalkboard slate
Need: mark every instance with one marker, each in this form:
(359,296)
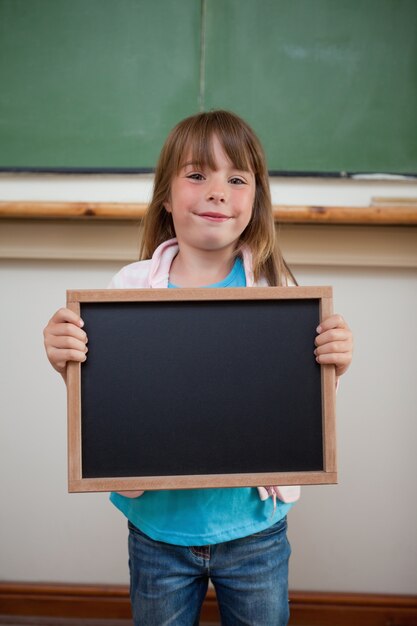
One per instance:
(187,388)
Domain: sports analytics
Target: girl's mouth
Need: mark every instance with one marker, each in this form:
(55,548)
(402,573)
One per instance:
(214,217)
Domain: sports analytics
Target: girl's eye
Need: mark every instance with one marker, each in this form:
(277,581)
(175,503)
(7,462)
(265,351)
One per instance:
(237,181)
(195,176)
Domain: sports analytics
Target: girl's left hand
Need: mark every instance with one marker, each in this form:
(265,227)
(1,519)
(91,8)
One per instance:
(334,344)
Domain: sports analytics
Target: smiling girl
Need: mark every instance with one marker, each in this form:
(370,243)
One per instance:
(209,224)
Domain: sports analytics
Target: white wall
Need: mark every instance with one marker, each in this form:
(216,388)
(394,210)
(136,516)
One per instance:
(46,534)
(357,536)
(361,535)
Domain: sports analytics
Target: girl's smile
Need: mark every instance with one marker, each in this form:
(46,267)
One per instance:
(214,217)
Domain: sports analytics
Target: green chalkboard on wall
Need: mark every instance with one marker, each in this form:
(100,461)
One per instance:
(96,83)
(330,87)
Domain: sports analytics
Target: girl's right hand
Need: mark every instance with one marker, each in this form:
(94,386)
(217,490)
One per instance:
(65,340)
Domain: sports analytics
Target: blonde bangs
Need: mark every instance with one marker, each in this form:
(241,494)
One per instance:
(195,143)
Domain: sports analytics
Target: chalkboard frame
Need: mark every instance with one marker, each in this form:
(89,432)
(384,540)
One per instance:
(77,482)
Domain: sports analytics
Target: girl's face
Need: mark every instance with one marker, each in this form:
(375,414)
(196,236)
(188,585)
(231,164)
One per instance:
(211,208)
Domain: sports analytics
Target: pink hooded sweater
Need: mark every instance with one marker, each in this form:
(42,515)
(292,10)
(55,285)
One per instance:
(154,273)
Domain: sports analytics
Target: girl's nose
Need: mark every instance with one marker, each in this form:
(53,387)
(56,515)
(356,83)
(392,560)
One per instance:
(217,196)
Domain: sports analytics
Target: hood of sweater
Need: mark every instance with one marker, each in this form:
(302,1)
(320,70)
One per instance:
(165,253)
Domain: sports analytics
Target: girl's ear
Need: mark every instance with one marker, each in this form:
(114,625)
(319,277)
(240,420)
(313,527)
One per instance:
(167,207)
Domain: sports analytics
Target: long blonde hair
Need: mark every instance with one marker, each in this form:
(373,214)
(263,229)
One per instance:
(193,136)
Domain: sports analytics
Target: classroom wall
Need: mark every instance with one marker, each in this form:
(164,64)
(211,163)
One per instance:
(356,536)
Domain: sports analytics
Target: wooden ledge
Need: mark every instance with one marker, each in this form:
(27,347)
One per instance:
(72,210)
(378,214)
(96,602)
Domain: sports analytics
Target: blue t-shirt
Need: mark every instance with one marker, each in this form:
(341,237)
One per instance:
(192,517)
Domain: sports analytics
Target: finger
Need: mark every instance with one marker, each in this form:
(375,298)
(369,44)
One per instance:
(66,329)
(59,358)
(68,343)
(66,315)
(333,347)
(131,494)
(335,334)
(60,350)
(335,358)
(334,321)
(341,361)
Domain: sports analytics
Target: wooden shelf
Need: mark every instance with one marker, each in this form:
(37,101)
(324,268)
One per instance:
(379,214)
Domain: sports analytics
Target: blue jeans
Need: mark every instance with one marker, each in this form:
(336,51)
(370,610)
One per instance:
(168,583)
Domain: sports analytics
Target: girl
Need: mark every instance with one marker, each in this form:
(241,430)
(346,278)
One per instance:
(209,224)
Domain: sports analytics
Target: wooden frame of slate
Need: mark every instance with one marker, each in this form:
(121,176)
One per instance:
(188,388)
